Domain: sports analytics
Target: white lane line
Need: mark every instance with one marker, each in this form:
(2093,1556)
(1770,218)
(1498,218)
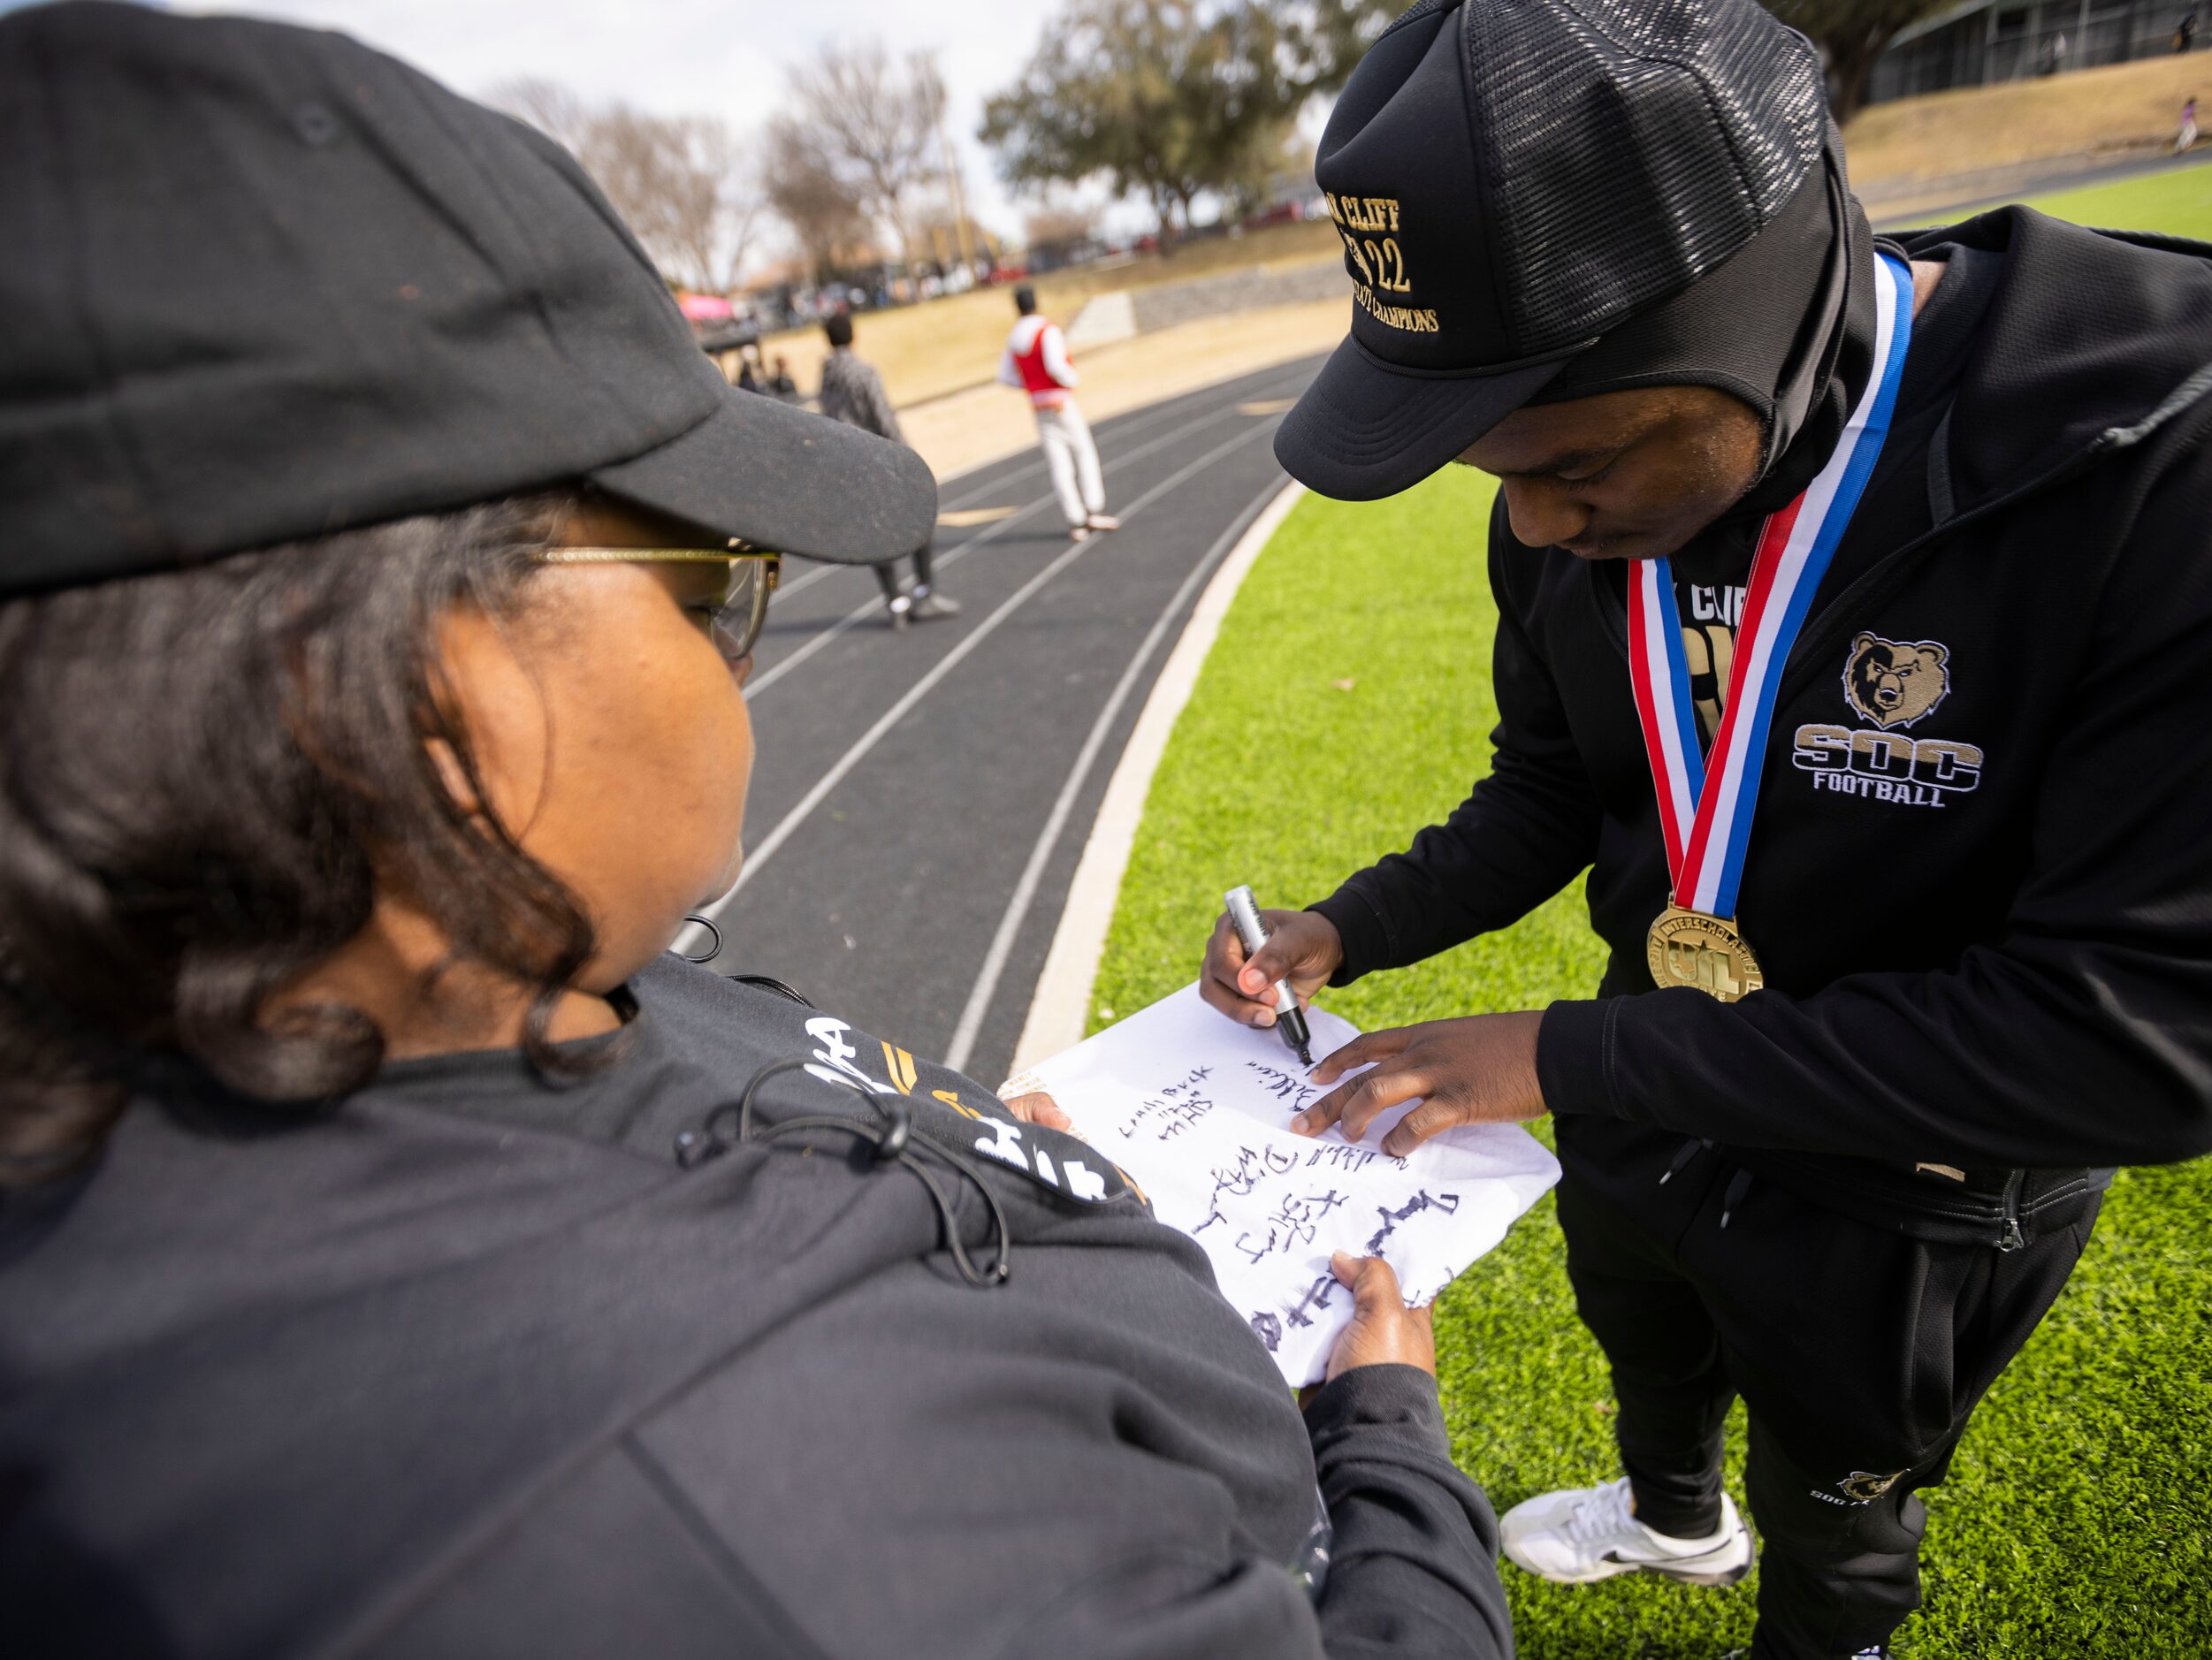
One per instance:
(774,839)
(1109,433)
(1059,1008)
(1024,893)
(867,608)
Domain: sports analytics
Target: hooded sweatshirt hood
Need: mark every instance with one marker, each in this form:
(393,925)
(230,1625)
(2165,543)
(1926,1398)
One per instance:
(1785,326)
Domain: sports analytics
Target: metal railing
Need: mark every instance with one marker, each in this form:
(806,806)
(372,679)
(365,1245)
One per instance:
(2019,42)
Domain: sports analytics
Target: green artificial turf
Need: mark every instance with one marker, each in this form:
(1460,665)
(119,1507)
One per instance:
(2179,203)
(2075,1525)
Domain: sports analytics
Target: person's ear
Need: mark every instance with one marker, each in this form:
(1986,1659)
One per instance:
(453,777)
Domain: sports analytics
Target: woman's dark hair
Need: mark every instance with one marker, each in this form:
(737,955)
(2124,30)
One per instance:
(205,776)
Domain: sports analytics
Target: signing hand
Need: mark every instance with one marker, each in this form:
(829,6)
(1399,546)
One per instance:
(1478,1071)
(1302,947)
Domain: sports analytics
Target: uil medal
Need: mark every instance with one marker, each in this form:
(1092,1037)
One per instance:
(1688,948)
(1705,802)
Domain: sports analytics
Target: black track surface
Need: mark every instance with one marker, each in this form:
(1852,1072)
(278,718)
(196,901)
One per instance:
(881,900)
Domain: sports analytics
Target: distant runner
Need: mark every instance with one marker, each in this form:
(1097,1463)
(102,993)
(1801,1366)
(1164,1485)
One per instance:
(1036,361)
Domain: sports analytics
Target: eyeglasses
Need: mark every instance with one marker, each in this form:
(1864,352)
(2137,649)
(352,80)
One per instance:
(736,619)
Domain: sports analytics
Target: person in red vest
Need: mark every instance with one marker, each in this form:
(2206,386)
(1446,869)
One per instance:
(1036,361)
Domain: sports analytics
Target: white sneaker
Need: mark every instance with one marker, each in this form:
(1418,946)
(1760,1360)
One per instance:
(1581,1535)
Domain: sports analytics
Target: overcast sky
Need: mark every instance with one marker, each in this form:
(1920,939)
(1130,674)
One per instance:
(695,56)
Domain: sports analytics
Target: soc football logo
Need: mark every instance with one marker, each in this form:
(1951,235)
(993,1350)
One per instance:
(1895,683)
(1891,684)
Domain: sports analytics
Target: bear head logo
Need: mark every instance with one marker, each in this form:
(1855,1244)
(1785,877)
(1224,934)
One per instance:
(1866,1486)
(1893,682)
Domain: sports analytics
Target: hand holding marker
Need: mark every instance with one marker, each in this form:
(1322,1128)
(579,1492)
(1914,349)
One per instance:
(1290,1020)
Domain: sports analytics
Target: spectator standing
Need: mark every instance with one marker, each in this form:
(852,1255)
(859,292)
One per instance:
(780,382)
(2185,33)
(2185,136)
(853,393)
(1036,361)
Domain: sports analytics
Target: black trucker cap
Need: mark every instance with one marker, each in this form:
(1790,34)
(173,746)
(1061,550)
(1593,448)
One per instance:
(260,283)
(1513,177)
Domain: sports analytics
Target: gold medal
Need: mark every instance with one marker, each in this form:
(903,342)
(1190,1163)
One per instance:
(1688,948)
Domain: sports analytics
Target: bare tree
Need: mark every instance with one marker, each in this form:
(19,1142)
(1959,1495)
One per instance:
(876,125)
(826,216)
(712,184)
(553,109)
(684,185)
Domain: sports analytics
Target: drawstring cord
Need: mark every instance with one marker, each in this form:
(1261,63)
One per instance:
(892,1142)
(1687,1152)
(1739,1185)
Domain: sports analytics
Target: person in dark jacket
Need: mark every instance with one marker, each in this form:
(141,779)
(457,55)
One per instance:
(401,1253)
(1855,634)
(853,393)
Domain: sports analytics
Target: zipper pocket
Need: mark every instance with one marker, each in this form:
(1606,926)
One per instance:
(2009,1234)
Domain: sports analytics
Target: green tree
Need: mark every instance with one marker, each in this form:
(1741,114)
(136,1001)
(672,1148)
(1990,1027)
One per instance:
(1851,34)
(1170,99)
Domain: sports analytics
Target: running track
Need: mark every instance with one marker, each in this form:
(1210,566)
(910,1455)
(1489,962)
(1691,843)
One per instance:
(920,799)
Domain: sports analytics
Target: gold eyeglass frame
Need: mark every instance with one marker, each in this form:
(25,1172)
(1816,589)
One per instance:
(741,640)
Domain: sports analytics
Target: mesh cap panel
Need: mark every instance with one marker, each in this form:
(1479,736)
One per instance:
(1632,145)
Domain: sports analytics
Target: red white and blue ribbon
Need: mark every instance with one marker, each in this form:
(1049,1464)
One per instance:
(1706,803)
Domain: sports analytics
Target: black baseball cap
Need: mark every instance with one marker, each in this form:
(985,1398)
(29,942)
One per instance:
(1512,178)
(262,283)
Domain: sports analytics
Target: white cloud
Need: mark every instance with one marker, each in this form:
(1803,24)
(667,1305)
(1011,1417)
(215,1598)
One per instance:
(721,58)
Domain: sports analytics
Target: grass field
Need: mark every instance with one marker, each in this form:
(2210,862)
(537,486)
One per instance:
(2179,203)
(2119,110)
(2078,1521)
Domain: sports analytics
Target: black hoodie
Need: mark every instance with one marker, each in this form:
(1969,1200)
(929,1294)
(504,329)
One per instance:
(1979,878)
(470,1365)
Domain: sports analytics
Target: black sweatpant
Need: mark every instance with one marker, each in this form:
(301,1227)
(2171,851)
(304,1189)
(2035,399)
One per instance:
(1859,1353)
(886,573)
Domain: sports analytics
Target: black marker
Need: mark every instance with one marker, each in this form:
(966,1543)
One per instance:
(1290,1020)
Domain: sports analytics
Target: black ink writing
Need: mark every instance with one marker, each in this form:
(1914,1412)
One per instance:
(1172,1110)
(1240,1181)
(1317,1296)
(1299,1217)
(1447,1202)
(1288,1087)
(1340,1155)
